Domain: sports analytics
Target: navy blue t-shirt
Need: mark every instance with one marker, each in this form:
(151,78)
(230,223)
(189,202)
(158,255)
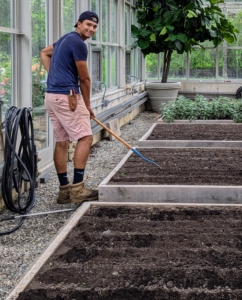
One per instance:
(63,74)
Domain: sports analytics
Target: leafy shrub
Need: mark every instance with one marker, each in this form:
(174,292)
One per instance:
(200,108)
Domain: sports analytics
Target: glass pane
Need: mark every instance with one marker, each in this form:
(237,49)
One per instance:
(235,17)
(68,16)
(137,64)
(5,13)
(113,66)
(113,21)
(105,37)
(178,66)
(5,69)
(133,21)
(132,64)
(105,65)
(230,64)
(38,73)
(203,64)
(127,24)
(95,8)
(151,66)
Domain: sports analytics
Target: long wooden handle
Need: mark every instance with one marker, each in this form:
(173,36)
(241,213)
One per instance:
(110,131)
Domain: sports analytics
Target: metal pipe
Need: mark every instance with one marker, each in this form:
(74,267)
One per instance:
(8,218)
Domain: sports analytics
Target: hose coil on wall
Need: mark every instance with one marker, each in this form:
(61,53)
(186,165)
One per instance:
(20,162)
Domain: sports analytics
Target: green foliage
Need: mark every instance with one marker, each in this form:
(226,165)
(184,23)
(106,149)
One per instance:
(167,26)
(68,15)
(38,78)
(202,109)
(38,17)
(5,78)
(5,21)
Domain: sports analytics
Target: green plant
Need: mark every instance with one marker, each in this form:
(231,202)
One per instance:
(169,25)
(38,85)
(203,109)
(5,78)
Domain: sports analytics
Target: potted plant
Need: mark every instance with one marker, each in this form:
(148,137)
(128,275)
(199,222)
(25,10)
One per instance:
(177,25)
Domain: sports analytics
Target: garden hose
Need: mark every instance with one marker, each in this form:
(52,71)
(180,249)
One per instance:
(239,93)
(20,166)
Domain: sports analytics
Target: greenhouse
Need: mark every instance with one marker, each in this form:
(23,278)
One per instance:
(165,166)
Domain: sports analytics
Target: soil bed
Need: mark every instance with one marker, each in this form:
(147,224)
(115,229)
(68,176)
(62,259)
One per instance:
(182,166)
(167,252)
(218,132)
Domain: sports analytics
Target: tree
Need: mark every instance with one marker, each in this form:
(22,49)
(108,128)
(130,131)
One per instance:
(179,25)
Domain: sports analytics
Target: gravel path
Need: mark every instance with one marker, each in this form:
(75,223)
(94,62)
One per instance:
(19,250)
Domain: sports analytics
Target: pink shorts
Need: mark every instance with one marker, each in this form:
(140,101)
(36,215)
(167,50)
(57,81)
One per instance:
(67,124)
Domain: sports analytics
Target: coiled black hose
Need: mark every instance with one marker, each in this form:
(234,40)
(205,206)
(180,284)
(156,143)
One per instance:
(20,163)
(239,93)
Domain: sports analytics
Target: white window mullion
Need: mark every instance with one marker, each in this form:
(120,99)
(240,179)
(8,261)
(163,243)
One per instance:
(24,55)
(109,47)
(121,76)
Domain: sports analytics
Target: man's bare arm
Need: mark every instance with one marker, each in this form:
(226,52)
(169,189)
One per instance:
(45,56)
(85,83)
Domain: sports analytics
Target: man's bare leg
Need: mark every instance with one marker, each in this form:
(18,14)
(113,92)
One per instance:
(79,192)
(82,151)
(60,156)
(60,160)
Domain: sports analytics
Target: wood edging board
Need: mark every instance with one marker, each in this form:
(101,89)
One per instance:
(167,193)
(143,142)
(221,121)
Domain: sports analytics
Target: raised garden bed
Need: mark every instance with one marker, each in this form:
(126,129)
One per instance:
(144,252)
(193,134)
(187,175)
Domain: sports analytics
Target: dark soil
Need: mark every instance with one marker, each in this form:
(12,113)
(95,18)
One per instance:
(189,166)
(147,253)
(217,132)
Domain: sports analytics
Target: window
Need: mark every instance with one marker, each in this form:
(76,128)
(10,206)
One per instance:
(104,50)
(38,18)
(6,68)
(127,66)
(96,70)
(68,16)
(133,57)
(6,55)
(5,13)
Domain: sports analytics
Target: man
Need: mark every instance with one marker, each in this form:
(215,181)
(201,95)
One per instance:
(66,63)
